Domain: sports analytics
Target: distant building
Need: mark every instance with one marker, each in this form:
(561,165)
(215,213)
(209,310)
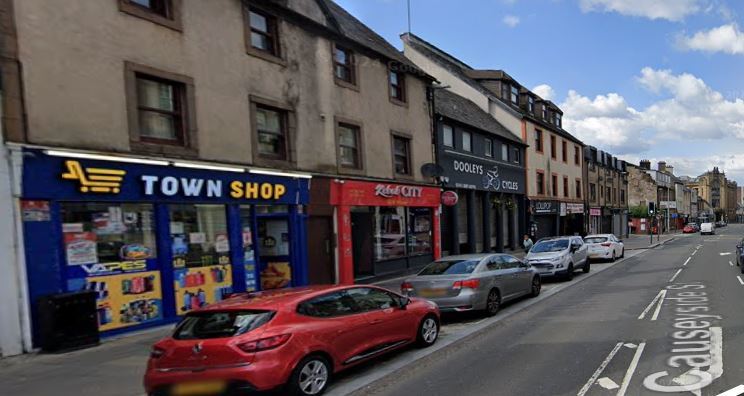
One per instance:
(718,192)
(606,192)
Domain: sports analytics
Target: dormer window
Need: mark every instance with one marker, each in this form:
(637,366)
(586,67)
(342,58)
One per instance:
(557,121)
(545,112)
(531,104)
(514,98)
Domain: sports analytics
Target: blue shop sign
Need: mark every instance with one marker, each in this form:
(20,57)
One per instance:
(61,178)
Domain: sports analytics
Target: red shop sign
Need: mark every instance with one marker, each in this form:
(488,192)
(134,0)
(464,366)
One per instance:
(449,198)
(359,193)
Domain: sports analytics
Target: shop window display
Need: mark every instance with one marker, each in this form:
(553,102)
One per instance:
(201,255)
(249,251)
(390,233)
(110,249)
(273,236)
(419,231)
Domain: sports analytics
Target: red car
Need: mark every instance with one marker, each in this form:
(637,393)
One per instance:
(296,338)
(688,229)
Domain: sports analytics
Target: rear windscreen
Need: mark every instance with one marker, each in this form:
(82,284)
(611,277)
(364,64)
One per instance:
(450,267)
(219,324)
(595,240)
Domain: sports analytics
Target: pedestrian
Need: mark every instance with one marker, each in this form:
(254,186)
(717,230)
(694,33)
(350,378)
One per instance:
(527,243)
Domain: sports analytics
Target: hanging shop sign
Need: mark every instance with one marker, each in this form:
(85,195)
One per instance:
(78,179)
(574,208)
(482,174)
(449,198)
(544,207)
(595,212)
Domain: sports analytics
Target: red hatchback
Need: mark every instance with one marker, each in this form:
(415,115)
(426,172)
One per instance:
(294,338)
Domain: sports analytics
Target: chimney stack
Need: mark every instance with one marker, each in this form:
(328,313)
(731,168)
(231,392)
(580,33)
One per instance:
(662,166)
(646,164)
(670,169)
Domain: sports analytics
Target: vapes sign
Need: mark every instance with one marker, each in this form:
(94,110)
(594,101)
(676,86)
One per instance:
(389,191)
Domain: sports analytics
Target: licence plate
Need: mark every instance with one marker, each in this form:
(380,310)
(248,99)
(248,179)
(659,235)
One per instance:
(432,292)
(199,388)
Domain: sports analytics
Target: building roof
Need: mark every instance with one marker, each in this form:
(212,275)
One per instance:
(458,108)
(471,76)
(345,24)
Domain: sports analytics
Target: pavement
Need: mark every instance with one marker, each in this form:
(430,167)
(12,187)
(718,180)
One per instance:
(550,345)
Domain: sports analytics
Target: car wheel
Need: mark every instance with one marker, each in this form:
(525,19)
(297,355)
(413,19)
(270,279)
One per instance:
(310,377)
(493,302)
(428,332)
(536,286)
(612,260)
(569,273)
(622,253)
(587,267)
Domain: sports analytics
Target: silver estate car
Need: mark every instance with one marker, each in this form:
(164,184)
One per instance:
(474,282)
(559,256)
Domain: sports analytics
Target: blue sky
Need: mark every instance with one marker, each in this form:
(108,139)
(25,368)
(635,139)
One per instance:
(657,79)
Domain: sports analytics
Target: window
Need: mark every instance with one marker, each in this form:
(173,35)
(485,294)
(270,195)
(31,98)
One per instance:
(538,141)
(531,104)
(609,194)
(466,141)
(565,186)
(271,130)
(514,95)
(402,155)
(553,148)
(453,267)
(504,152)
(554,185)
(328,306)
(511,262)
(419,231)
(504,91)
(162,12)
(349,146)
(397,86)
(369,299)
(515,155)
(564,148)
(220,324)
(578,188)
(488,144)
(592,192)
(576,155)
(160,110)
(263,33)
(558,119)
(540,179)
(107,232)
(601,192)
(448,138)
(544,112)
(622,196)
(343,61)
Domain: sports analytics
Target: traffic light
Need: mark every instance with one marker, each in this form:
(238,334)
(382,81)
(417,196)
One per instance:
(651,208)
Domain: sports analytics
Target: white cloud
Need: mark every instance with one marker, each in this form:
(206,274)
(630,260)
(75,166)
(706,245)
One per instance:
(731,163)
(725,38)
(673,10)
(544,91)
(511,21)
(687,110)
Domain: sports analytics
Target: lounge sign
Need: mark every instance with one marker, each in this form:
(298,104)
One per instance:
(485,174)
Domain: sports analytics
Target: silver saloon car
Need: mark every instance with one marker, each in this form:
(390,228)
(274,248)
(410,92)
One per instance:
(474,282)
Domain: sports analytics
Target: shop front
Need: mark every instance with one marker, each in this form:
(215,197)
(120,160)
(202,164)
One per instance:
(545,219)
(488,215)
(595,223)
(572,218)
(383,229)
(156,239)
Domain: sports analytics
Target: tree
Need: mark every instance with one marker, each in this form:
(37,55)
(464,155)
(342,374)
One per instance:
(638,211)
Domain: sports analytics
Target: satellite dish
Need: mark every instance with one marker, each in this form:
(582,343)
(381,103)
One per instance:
(431,170)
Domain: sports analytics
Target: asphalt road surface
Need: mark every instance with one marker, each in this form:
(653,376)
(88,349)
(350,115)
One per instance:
(669,321)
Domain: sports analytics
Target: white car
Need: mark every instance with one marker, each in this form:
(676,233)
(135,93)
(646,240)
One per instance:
(707,228)
(604,247)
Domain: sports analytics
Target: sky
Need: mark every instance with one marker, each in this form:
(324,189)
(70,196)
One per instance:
(642,79)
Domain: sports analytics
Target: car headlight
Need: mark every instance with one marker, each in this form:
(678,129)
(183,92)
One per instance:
(556,259)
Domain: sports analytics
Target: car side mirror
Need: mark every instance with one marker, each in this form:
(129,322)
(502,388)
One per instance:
(404,301)
(574,248)
(524,264)
(738,246)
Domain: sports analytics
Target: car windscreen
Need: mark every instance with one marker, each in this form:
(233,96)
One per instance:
(450,267)
(595,239)
(219,324)
(550,246)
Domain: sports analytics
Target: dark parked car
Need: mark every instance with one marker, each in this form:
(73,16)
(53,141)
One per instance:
(740,255)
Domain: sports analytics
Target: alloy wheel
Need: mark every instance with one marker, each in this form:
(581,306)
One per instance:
(313,377)
(493,302)
(536,286)
(429,330)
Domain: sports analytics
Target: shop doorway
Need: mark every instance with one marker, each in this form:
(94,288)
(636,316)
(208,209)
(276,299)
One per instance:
(320,250)
(362,222)
(274,252)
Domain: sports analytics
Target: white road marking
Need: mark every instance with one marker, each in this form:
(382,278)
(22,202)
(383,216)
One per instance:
(631,369)
(630,345)
(724,253)
(675,275)
(599,370)
(688,378)
(688,260)
(740,281)
(738,391)
(693,253)
(731,263)
(607,383)
(651,305)
(658,307)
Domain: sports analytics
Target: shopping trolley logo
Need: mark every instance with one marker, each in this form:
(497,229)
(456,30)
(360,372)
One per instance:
(96,180)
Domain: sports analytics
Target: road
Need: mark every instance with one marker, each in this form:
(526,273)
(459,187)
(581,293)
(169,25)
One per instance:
(664,322)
